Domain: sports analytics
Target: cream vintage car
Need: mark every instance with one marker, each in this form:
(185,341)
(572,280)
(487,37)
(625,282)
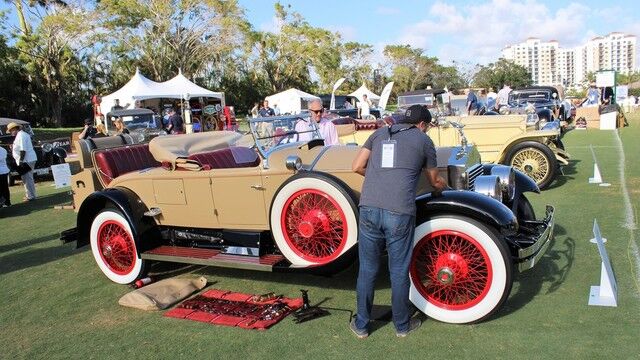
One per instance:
(501,139)
(283,200)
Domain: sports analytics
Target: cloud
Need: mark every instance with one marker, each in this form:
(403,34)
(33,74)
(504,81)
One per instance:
(385,10)
(347,32)
(479,32)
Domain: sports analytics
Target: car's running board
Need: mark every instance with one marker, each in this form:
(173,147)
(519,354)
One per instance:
(212,257)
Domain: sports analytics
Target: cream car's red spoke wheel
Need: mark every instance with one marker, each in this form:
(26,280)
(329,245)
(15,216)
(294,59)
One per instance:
(451,270)
(116,247)
(533,163)
(314,225)
(313,220)
(460,270)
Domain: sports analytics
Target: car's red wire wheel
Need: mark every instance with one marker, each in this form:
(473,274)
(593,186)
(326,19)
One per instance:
(116,247)
(314,226)
(451,269)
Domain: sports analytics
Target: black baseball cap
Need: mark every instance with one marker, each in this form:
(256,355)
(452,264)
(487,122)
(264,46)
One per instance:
(415,114)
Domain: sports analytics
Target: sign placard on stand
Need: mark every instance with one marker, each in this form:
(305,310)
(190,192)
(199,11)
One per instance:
(61,175)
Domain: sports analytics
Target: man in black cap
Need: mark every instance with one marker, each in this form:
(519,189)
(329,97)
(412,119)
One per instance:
(391,161)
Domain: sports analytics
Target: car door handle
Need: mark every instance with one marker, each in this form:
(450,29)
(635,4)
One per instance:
(257,187)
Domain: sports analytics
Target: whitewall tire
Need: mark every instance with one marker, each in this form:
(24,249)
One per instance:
(460,271)
(114,248)
(313,220)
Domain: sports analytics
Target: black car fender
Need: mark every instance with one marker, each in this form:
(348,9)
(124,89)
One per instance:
(60,154)
(127,203)
(466,203)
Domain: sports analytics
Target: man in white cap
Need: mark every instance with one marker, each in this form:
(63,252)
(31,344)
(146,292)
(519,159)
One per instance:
(25,158)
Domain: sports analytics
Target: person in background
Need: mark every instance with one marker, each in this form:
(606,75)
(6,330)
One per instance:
(347,105)
(101,131)
(176,124)
(117,106)
(391,161)
(89,131)
(364,107)
(592,95)
(607,95)
(472,102)
(5,195)
(255,110)
(276,110)
(265,110)
(25,156)
(119,125)
(327,129)
(503,97)
(491,99)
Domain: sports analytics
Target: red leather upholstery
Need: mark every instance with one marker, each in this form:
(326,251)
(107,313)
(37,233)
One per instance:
(231,157)
(117,161)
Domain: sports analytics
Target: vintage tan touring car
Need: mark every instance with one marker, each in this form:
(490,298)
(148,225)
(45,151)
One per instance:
(283,200)
(500,139)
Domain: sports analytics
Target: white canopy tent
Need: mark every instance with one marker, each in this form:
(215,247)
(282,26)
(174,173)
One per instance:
(362,90)
(127,94)
(291,101)
(179,87)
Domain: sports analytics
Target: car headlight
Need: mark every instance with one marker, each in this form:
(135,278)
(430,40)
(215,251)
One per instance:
(507,176)
(532,118)
(293,162)
(46,147)
(489,185)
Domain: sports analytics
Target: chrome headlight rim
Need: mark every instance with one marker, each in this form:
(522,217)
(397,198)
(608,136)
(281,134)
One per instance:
(47,147)
(293,163)
(507,177)
(489,185)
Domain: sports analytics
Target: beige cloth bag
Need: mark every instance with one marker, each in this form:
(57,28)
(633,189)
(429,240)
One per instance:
(161,295)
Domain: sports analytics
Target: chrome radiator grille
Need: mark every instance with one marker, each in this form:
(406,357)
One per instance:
(472,173)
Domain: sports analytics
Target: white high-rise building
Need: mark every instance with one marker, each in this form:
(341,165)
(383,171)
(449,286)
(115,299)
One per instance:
(550,64)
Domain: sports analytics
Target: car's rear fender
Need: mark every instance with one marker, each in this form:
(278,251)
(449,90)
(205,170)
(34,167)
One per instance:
(123,200)
(470,204)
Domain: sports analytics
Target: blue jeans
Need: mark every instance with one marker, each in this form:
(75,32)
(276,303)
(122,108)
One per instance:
(377,229)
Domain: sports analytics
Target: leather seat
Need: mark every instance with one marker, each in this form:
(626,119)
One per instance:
(117,161)
(227,158)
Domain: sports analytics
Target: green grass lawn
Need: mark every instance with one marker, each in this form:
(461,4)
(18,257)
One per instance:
(57,304)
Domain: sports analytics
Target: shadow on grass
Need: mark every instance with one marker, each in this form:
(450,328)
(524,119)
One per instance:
(552,270)
(25,259)
(25,243)
(40,203)
(567,174)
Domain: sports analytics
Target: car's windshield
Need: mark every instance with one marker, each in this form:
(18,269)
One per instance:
(272,132)
(534,96)
(405,101)
(140,121)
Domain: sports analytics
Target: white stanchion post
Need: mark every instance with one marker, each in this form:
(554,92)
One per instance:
(597,177)
(606,294)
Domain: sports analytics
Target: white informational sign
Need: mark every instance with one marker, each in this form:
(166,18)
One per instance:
(61,175)
(605,78)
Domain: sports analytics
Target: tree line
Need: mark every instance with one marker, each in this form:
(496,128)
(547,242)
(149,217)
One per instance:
(60,53)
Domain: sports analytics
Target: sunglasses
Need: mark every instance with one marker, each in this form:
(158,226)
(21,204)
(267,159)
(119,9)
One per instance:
(316,111)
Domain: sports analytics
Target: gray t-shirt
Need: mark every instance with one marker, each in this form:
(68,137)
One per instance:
(394,189)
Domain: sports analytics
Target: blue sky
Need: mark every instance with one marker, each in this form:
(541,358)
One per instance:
(464,31)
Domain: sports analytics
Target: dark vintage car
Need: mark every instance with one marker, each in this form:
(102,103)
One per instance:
(278,199)
(544,100)
(340,109)
(143,124)
(50,152)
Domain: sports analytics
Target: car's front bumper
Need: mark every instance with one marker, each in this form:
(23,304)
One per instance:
(534,237)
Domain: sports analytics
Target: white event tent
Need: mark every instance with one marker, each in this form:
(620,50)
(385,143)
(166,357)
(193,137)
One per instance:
(141,88)
(362,90)
(291,101)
